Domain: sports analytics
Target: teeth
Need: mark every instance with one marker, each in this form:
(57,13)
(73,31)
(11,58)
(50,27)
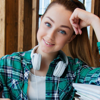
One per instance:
(47,43)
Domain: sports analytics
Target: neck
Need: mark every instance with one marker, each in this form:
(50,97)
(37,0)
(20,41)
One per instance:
(47,57)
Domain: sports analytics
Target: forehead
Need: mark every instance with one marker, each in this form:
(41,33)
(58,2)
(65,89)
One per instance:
(58,13)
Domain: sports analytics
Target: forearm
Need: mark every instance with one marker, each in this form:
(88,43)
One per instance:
(96,26)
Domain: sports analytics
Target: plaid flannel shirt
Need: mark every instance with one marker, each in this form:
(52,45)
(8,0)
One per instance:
(15,68)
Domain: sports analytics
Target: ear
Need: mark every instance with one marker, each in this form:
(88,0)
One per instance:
(73,36)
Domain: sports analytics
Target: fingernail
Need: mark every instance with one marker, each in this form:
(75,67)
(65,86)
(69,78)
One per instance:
(80,33)
(75,33)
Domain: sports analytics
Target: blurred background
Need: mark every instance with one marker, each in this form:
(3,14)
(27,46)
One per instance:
(20,20)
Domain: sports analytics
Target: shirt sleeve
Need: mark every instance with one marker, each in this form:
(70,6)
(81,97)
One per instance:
(89,75)
(98,45)
(1,86)
(1,78)
(3,71)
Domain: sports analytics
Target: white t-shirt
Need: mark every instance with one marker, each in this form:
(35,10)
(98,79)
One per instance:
(36,87)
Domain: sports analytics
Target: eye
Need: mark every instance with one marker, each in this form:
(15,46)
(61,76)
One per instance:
(48,24)
(62,32)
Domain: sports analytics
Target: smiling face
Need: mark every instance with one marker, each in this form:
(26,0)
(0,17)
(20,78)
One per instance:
(55,29)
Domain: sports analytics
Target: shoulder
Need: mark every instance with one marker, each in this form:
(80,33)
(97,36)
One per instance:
(15,66)
(77,64)
(15,58)
(75,61)
(24,55)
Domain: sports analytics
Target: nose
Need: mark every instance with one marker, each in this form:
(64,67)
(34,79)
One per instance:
(51,34)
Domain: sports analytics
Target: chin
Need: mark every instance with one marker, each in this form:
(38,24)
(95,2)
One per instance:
(45,51)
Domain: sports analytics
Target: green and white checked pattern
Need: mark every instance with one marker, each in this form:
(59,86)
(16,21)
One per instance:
(15,68)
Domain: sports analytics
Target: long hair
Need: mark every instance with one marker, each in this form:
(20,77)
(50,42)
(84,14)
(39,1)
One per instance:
(80,46)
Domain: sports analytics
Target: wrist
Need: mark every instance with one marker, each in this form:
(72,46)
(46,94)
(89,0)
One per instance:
(94,20)
(96,26)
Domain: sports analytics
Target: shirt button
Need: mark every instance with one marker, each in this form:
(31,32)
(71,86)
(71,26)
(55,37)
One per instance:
(48,79)
(48,93)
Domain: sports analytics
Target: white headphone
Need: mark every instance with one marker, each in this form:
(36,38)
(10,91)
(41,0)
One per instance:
(59,69)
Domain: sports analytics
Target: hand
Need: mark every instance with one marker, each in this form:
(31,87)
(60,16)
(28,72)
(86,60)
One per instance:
(80,19)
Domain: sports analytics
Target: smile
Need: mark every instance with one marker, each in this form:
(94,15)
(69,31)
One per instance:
(47,43)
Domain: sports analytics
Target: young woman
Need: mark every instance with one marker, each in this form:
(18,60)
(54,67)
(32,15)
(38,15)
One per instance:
(45,72)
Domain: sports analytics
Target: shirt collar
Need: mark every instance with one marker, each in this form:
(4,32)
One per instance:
(61,55)
(28,54)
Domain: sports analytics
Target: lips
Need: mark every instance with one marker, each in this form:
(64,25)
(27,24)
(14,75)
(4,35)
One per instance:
(48,43)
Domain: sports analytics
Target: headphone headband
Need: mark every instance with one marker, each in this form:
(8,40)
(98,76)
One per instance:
(59,68)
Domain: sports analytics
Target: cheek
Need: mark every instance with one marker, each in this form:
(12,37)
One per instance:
(63,39)
(61,42)
(40,34)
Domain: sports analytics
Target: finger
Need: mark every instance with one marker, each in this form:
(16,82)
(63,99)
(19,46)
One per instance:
(79,30)
(74,26)
(76,30)
(74,21)
(77,26)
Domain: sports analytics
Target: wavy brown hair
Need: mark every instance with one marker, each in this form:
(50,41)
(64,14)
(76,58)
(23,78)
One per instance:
(80,46)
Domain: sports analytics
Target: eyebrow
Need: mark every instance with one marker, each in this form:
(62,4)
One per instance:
(50,19)
(61,25)
(66,26)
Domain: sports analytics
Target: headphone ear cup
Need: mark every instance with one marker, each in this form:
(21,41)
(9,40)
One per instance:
(59,69)
(36,61)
